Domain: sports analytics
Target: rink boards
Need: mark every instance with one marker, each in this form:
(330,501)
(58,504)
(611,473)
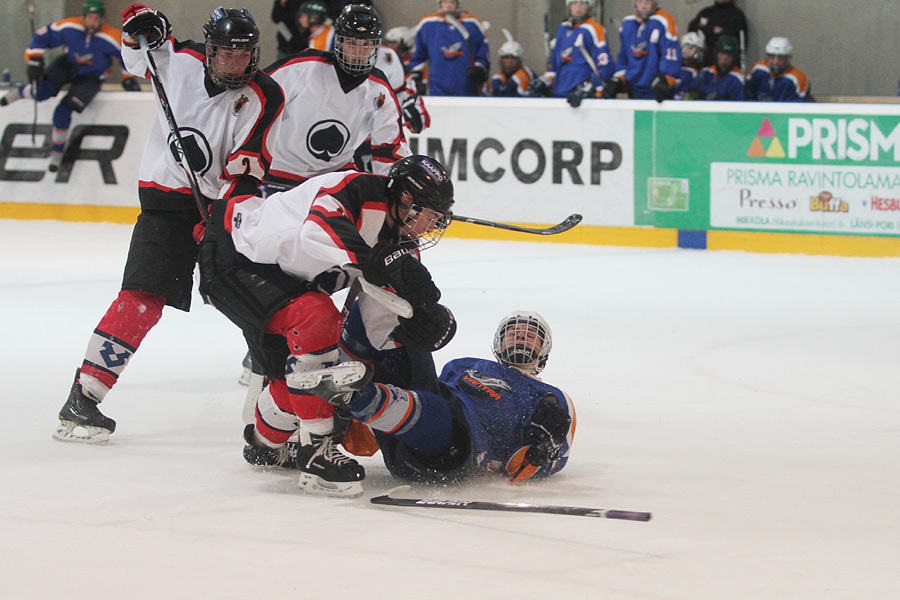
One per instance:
(761,177)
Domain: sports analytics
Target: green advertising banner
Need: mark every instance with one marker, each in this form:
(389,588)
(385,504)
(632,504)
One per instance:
(785,172)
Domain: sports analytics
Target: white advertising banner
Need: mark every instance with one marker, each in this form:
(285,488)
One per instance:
(535,160)
(106,143)
(805,198)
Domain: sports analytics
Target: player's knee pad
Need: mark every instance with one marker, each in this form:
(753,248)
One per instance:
(309,323)
(275,422)
(73,103)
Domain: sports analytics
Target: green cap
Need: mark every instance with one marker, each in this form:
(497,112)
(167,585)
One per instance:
(728,43)
(93,6)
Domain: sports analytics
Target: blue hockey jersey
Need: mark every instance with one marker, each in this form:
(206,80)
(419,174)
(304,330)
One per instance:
(492,405)
(448,55)
(728,86)
(569,67)
(790,86)
(90,54)
(647,47)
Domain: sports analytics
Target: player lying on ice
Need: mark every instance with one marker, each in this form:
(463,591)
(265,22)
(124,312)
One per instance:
(480,416)
(270,266)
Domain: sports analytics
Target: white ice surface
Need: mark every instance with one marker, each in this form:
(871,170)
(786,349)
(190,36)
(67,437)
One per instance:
(750,402)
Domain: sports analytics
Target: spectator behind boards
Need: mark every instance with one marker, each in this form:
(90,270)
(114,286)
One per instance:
(648,46)
(724,80)
(452,44)
(721,18)
(580,61)
(776,79)
(514,78)
(90,47)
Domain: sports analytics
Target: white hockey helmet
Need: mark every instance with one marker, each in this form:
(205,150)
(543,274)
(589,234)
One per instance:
(396,34)
(523,341)
(692,45)
(588,2)
(511,48)
(780,46)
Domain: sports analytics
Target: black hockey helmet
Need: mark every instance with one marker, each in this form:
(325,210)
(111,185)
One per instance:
(233,28)
(357,36)
(430,197)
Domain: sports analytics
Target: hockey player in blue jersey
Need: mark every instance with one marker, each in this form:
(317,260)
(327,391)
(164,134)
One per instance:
(90,47)
(451,43)
(723,80)
(581,59)
(648,45)
(514,78)
(479,417)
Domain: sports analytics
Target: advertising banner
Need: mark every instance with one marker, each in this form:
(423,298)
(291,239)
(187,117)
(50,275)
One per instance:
(770,170)
(535,160)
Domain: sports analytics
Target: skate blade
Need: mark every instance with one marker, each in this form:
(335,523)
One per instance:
(315,485)
(340,375)
(73,432)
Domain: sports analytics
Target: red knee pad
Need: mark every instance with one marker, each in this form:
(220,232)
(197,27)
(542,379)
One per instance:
(309,324)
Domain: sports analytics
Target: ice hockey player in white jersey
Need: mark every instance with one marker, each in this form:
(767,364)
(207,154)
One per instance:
(228,113)
(339,113)
(412,105)
(270,265)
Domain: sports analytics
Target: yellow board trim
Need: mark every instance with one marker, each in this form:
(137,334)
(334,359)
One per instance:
(69,212)
(640,237)
(636,237)
(796,243)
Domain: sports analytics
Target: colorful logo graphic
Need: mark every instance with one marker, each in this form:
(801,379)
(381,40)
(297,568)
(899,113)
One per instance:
(766,144)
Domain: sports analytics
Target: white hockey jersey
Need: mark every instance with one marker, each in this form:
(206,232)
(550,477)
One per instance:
(325,225)
(331,117)
(229,135)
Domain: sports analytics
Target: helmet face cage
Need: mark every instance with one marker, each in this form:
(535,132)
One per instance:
(430,199)
(523,341)
(231,29)
(646,14)
(357,36)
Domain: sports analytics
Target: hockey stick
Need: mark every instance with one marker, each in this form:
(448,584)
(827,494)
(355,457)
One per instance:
(33,83)
(743,54)
(547,38)
(579,43)
(569,222)
(575,511)
(173,127)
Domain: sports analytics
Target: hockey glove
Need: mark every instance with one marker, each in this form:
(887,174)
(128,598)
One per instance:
(415,115)
(131,84)
(34,67)
(612,87)
(582,91)
(397,267)
(430,328)
(477,75)
(661,88)
(547,431)
(140,19)
(540,88)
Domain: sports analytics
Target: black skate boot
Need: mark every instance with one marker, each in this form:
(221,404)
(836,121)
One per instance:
(81,412)
(263,456)
(325,471)
(334,385)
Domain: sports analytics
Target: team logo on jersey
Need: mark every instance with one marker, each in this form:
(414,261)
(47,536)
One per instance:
(640,50)
(85,59)
(240,104)
(379,101)
(480,385)
(453,51)
(327,139)
(199,152)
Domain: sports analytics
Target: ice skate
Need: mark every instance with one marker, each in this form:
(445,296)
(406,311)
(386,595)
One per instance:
(80,420)
(55,160)
(325,471)
(10,97)
(263,456)
(334,384)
